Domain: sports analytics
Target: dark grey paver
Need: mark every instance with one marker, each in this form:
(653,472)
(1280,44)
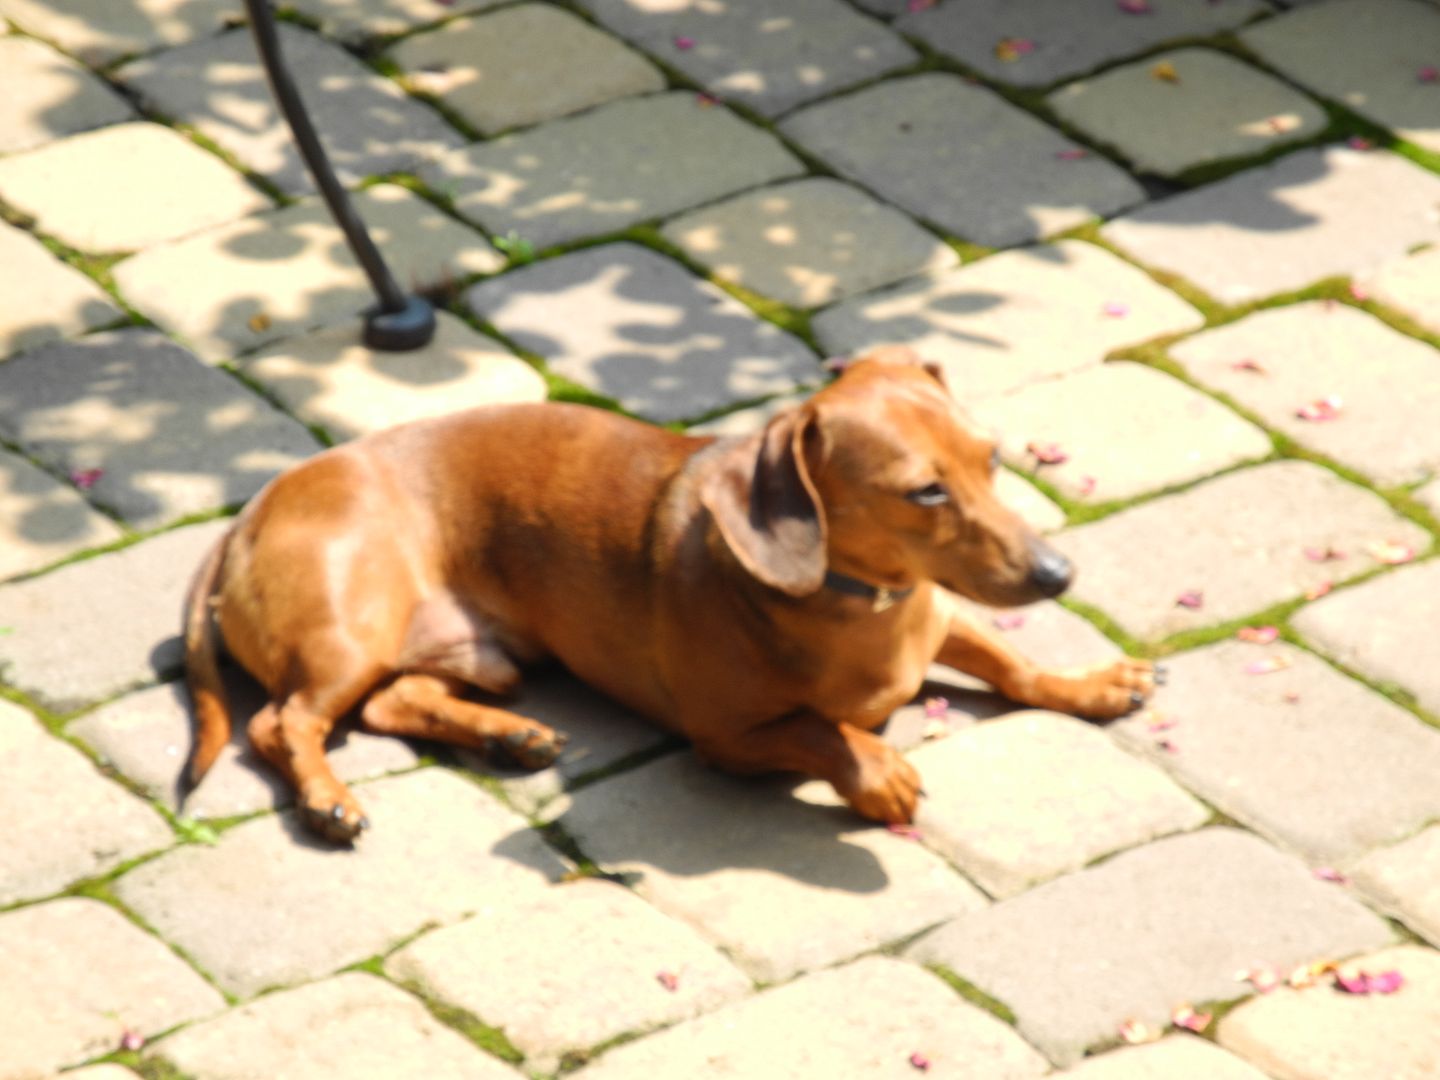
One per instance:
(41,298)
(168,435)
(359,20)
(962,158)
(98,31)
(1151,929)
(43,520)
(1301,754)
(641,329)
(88,631)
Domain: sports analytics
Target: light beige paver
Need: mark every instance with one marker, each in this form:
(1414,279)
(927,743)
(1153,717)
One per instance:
(369,124)
(102,1072)
(100,192)
(869,1019)
(439,848)
(523,65)
(1179,1057)
(575,967)
(78,976)
(1410,285)
(961,157)
(1301,754)
(1388,385)
(1239,540)
(147,736)
(157,434)
(770,55)
(1377,629)
(1323,1034)
(1124,429)
(1048,634)
(47,95)
(1065,39)
(42,520)
(278,274)
(1130,939)
(1311,215)
(354,21)
(351,1027)
(641,329)
(73,822)
(99,31)
(92,629)
(1404,881)
(1029,502)
(610,168)
(42,299)
(1429,496)
(1367,55)
(1022,799)
(1207,107)
(331,378)
(1014,318)
(783,882)
(808,243)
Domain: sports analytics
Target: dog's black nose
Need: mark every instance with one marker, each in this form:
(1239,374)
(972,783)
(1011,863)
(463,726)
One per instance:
(1050,572)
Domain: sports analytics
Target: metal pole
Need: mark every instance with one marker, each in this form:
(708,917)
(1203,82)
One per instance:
(399,322)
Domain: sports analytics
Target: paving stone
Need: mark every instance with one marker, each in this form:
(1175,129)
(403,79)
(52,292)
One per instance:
(1375,629)
(371,126)
(42,299)
(1410,285)
(580,966)
(959,156)
(610,168)
(770,55)
(1311,215)
(147,736)
(78,976)
(1429,495)
(48,95)
(99,31)
(808,243)
(1239,540)
(1126,429)
(1014,318)
(1388,384)
(1146,931)
(1325,1035)
(1213,108)
(439,848)
(783,882)
(1364,54)
(170,435)
(102,1072)
(75,823)
(356,21)
(523,65)
(640,329)
(331,378)
(1180,1057)
(1067,40)
(1280,765)
(351,1027)
(1404,881)
(98,191)
(42,520)
(87,631)
(829,1024)
(279,274)
(1025,798)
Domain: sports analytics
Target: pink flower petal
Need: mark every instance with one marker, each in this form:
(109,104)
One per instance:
(1329,873)
(1268,666)
(1116,309)
(1072,153)
(1258,635)
(1137,1031)
(1428,74)
(919,1061)
(1047,453)
(1008,620)
(1363,982)
(909,832)
(1358,292)
(706,101)
(1359,142)
(1134,7)
(131,1040)
(1168,746)
(668,979)
(85,479)
(912,6)
(1186,1017)
(1320,410)
(1389,552)
(935,707)
(1264,979)
(1011,49)
(1087,485)
(1249,365)
(1386,982)
(1319,590)
(1191,598)
(1161,722)
(1325,554)
(684,44)
(1292,696)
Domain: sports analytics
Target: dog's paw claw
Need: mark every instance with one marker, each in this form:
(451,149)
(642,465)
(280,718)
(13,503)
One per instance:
(338,821)
(534,747)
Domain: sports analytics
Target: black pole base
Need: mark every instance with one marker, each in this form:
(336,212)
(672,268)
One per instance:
(411,327)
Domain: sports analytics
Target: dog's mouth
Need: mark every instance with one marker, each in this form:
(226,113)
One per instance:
(1046,575)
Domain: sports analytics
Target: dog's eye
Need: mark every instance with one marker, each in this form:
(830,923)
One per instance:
(930,495)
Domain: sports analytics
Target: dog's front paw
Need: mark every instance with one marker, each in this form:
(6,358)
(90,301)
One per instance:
(329,810)
(1106,692)
(533,746)
(885,787)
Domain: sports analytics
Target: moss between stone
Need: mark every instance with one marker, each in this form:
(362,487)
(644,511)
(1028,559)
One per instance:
(492,1040)
(974,995)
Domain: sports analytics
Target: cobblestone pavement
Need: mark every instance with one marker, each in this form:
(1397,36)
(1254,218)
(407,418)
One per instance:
(1181,253)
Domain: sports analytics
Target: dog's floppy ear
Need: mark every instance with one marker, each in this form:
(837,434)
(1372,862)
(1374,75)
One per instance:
(766,508)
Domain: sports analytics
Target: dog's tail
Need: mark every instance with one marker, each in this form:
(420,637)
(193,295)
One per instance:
(202,665)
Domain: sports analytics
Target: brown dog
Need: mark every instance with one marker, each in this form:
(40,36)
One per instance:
(771,598)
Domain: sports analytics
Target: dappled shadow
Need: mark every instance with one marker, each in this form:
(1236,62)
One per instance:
(52,519)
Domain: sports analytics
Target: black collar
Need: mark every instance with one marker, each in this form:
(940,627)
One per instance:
(880,596)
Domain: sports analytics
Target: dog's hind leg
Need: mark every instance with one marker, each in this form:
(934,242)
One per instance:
(429,707)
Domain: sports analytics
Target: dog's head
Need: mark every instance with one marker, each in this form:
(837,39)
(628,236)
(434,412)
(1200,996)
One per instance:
(880,476)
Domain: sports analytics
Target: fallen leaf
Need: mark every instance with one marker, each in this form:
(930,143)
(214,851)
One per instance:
(1008,620)
(1116,309)
(1165,72)
(1258,635)
(1011,49)
(920,1061)
(1186,1017)
(1268,666)
(1320,410)
(909,832)
(1137,1031)
(1191,598)
(1308,975)
(1072,153)
(1317,591)
(1249,365)
(1047,453)
(1329,873)
(1325,554)
(668,979)
(684,44)
(936,706)
(259,322)
(85,479)
(1263,979)
(1390,552)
